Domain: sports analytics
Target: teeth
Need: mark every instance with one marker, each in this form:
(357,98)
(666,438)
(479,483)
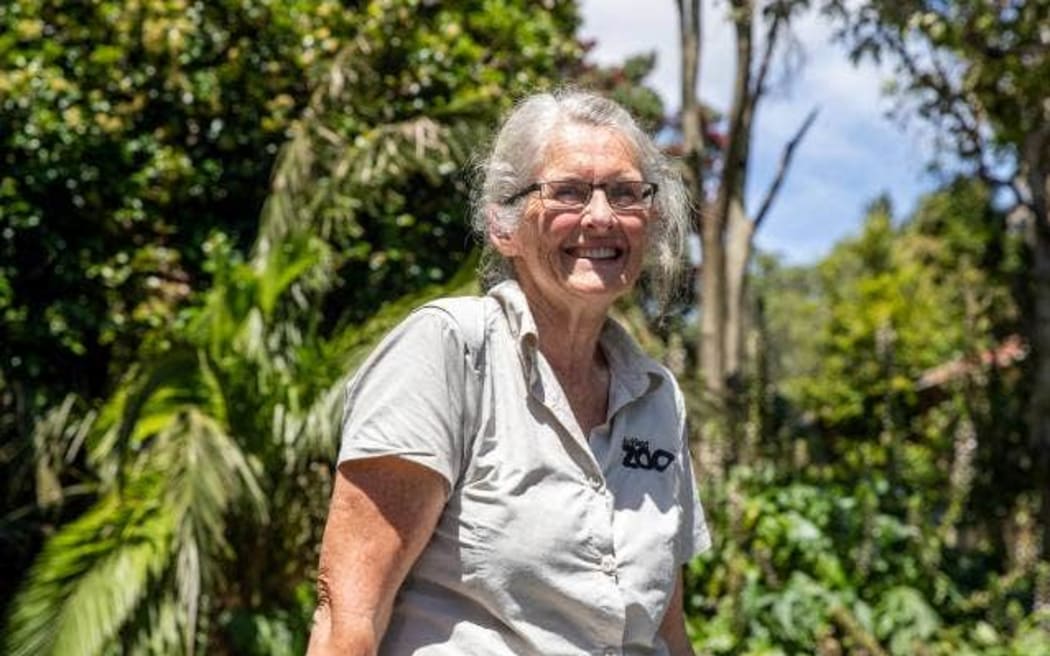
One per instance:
(596,253)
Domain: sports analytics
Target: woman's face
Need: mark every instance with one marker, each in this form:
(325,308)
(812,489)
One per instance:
(591,255)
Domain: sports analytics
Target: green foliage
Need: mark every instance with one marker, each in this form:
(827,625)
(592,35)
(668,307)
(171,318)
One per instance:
(820,567)
(898,302)
(282,632)
(201,458)
(885,511)
(131,132)
(963,63)
(138,141)
(377,164)
(102,564)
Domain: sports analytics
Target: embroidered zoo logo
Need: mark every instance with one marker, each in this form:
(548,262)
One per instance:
(636,455)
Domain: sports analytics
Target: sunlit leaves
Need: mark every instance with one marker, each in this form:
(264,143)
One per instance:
(377,163)
(127,128)
(138,140)
(92,574)
(793,576)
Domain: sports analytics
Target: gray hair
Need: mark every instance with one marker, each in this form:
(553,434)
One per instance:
(517,153)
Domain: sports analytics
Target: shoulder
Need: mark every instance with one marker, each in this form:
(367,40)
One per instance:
(468,317)
(439,331)
(465,312)
(453,317)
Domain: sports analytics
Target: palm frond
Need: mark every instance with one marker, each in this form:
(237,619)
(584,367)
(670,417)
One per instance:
(139,409)
(332,168)
(158,628)
(314,433)
(92,574)
(313,173)
(168,425)
(206,473)
(56,440)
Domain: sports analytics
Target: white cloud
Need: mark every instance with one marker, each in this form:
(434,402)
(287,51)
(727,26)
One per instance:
(852,153)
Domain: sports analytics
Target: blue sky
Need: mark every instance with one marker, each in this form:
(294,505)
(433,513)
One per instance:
(851,155)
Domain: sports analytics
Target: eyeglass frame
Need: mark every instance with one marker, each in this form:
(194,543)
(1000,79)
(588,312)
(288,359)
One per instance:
(538,186)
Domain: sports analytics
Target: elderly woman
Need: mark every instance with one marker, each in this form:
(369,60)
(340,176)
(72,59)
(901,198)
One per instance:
(514,476)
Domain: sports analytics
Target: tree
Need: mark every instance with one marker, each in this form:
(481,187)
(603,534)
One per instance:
(215,446)
(977,71)
(873,525)
(128,135)
(725,225)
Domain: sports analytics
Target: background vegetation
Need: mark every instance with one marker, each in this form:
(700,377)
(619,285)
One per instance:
(209,212)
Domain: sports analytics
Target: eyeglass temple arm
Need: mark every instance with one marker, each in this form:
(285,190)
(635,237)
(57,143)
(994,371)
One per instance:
(522,193)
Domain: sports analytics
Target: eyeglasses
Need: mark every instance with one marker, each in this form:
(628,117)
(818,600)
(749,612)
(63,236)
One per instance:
(624,195)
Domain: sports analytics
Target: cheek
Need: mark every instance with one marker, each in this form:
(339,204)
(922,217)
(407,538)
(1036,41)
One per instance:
(556,224)
(638,234)
(552,231)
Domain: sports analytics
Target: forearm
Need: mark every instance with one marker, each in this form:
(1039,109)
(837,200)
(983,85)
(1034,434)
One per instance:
(672,629)
(382,514)
(346,631)
(347,637)
(678,644)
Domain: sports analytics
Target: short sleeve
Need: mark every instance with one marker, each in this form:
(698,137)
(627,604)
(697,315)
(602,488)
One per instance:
(407,399)
(695,538)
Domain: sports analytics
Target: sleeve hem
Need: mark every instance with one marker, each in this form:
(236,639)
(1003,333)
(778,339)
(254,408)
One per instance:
(362,452)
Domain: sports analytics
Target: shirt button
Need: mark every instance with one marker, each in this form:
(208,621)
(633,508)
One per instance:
(608,564)
(596,484)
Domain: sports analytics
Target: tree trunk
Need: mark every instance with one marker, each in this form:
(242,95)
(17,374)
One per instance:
(726,230)
(1035,158)
(734,241)
(710,227)
(712,316)
(692,132)
(739,238)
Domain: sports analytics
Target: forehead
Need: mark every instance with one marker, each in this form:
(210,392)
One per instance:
(587,152)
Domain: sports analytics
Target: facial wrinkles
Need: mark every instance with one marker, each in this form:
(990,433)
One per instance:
(591,253)
(598,161)
(574,155)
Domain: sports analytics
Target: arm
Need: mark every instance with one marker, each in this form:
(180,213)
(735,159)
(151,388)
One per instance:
(672,629)
(382,514)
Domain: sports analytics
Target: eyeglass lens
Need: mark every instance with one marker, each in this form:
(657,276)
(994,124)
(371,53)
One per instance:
(573,194)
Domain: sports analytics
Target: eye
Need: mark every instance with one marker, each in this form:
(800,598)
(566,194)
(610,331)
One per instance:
(624,194)
(568,193)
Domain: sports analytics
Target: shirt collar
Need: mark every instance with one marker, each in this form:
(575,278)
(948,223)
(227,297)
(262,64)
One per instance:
(516,308)
(633,372)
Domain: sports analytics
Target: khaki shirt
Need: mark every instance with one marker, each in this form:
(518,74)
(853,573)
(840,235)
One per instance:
(551,542)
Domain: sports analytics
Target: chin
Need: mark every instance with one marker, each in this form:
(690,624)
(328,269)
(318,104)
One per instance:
(601,287)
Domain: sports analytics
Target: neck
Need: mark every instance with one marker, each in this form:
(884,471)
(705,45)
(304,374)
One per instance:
(568,334)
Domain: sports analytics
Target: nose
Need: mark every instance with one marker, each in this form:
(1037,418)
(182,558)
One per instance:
(599,214)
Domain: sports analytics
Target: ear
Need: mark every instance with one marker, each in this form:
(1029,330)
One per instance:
(502,239)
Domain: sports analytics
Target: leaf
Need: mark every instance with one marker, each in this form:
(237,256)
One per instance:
(91,576)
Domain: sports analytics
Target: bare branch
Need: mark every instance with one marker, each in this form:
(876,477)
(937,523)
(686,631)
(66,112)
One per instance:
(734,161)
(785,163)
(962,111)
(691,113)
(772,34)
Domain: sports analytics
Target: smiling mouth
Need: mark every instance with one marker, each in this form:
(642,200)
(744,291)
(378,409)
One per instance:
(604,253)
